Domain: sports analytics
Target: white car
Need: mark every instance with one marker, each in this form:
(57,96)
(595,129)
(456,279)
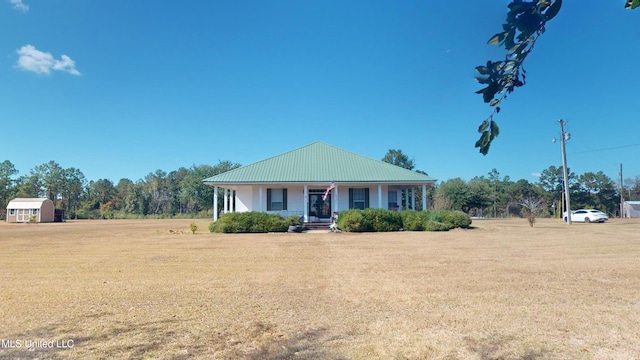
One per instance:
(587,215)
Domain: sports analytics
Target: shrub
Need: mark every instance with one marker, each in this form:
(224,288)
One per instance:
(193,227)
(382,219)
(435,215)
(457,219)
(293,220)
(372,219)
(352,220)
(436,226)
(275,223)
(412,220)
(254,222)
(434,220)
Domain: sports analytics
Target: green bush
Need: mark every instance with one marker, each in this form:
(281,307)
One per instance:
(370,219)
(353,220)
(249,222)
(412,220)
(385,220)
(436,226)
(275,223)
(382,219)
(435,215)
(293,220)
(434,220)
(457,219)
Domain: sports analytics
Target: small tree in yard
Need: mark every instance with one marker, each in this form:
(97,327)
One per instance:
(532,206)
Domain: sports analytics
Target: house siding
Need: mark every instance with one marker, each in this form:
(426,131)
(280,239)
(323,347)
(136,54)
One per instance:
(244,198)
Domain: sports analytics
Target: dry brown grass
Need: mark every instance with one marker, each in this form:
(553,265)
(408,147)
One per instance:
(151,289)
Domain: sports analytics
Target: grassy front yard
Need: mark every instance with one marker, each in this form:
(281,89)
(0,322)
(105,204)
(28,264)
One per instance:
(151,289)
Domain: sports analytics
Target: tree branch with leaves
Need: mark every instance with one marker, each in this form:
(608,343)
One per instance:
(526,21)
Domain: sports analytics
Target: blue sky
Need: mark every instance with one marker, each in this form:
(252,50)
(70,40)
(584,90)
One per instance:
(121,88)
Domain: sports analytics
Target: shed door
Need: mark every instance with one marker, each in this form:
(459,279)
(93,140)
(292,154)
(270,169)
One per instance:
(23,215)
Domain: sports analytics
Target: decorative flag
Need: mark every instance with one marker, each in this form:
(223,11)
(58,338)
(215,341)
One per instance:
(326,193)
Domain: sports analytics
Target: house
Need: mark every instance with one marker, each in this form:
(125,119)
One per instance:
(30,209)
(631,209)
(315,181)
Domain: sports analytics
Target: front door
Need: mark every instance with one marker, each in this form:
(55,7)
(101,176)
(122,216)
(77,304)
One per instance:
(319,208)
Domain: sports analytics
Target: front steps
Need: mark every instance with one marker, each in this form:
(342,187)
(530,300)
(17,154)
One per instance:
(316,226)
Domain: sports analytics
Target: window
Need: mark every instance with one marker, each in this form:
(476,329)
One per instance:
(393,199)
(276,199)
(358,198)
(34,211)
(12,211)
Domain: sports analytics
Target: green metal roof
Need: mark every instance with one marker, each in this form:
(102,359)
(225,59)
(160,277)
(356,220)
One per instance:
(318,162)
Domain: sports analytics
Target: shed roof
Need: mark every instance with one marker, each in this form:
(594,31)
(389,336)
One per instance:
(26,203)
(318,162)
(633,202)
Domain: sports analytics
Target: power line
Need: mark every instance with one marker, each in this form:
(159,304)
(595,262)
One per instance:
(605,149)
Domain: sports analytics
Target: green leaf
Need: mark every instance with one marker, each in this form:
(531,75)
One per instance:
(484,126)
(487,136)
(490,91)
(483,80)
(518,49)
(483,70)
(509,40)
(484,142)
(494,102)
(553,10)
(509,66)
(496,39)
(635,4)
(495,130)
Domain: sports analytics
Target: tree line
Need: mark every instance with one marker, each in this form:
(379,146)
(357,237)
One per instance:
(159,194)
(496,196)
(181,193)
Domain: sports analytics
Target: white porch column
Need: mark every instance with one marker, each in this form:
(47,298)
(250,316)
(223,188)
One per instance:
(424,197)
(335,200)
(406,199)
(215,203)
(260,208)
(379,196)
(413,198)
(224,201)
(305,211)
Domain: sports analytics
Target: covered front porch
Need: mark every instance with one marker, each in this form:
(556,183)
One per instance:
(309,201)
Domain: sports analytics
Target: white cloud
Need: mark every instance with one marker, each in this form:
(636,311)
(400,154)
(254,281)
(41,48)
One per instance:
(19,5)
(536,174)
(32,59)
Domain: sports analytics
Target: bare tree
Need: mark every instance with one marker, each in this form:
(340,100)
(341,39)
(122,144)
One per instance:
(532,206)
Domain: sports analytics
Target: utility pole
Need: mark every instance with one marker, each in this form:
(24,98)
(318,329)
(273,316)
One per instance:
(621,194)
(563,137)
